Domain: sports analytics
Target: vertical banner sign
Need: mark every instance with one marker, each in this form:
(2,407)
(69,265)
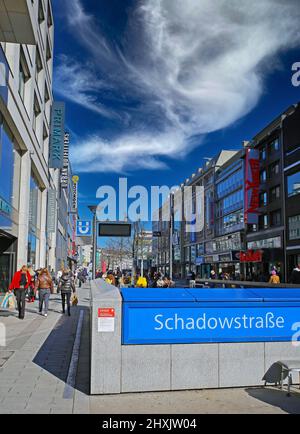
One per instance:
(51,211)
(57,134)
(75,180)
(252,186)
(64,178)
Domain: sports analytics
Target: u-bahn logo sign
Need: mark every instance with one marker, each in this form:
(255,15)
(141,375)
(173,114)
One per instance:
(84,228)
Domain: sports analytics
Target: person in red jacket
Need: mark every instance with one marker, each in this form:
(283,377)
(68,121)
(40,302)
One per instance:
(19,284)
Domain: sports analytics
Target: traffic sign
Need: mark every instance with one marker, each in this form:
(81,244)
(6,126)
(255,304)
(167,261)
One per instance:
(84,228)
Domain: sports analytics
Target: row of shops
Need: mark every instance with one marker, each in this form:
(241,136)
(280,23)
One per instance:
(251,211)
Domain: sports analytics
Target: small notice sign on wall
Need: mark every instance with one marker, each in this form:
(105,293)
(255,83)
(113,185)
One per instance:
(106,319)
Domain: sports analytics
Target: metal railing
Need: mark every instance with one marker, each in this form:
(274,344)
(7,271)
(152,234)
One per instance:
(240,284)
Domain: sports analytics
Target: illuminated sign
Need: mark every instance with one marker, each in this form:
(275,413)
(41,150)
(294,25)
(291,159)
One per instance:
(252,186)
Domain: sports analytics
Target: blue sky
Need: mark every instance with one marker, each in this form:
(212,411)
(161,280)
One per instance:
(154,86)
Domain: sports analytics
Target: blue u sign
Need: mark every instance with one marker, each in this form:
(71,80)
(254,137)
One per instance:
(84,228)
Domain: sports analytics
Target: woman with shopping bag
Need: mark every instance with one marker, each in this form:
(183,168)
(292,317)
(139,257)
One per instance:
(19,284)
(66,286)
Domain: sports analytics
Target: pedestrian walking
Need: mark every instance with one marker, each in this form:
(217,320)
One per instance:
(67,286)
(31,287)
(19,284)
(44,284)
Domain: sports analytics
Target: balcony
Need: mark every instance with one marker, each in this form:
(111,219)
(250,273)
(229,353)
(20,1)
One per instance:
(15,22)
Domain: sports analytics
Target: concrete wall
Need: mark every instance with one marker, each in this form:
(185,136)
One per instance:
(117,368)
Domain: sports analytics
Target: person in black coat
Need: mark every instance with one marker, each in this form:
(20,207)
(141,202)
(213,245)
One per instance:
(295,276)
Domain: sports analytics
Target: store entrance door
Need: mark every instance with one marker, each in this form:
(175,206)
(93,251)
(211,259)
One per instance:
(7,262)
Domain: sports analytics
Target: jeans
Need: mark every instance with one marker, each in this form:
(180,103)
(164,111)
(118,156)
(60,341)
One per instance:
(44,295)
(64,296)
(20,296)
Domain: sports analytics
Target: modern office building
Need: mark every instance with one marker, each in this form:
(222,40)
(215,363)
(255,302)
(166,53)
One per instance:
(197,251)
(26,65)
(251,212)
(291,162)
(277,232)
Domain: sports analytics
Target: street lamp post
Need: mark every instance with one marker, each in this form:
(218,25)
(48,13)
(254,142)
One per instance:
(93,209)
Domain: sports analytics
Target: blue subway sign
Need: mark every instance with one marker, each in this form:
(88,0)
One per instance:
(84,228)
(216,318)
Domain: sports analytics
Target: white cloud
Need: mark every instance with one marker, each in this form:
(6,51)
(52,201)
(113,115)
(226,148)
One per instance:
(196,66)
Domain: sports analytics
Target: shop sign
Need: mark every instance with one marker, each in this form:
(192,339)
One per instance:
(199,260)
(251,256)
(57,135)
(252,186)
(75,180)
(51,211)
(64,178)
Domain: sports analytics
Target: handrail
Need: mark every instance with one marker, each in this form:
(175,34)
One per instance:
(229,283)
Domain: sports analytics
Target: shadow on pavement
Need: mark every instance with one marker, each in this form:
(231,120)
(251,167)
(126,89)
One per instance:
(55,354)
(277,398)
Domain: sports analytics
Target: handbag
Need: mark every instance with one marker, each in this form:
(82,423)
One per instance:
(74,299)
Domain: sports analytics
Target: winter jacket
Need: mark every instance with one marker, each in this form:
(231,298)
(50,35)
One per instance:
(44,282)
(295,278)
(66,283)
(15,283)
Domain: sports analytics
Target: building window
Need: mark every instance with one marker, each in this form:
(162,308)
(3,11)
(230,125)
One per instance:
(274,146)
(47,96)
(24,74)
(263,153)
(263,221)
(6,165)
(275,193)
(38,63)
(36,112)
(49,17)
(45,132)
(263,199)
(48,51)
(294,227)
(41,15)
(293,184)
(274,169)
(263,176)
(276,218)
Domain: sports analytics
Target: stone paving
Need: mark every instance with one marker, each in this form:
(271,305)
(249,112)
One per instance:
(34,367)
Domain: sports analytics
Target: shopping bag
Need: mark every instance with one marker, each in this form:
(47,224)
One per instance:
(12,301)
(4,303)
(74,300)
(9,301)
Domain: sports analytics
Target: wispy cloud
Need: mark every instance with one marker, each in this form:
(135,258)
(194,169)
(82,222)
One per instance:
(195,67)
